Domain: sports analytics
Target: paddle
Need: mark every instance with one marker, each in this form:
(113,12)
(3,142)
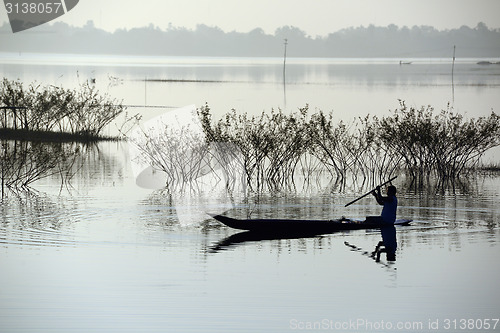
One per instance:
(364,195)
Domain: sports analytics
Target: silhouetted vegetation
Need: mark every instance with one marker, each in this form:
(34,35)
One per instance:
(270,146)
(269,151)
(353,148)
(418,142)
(442,144)
(37,111)
(370,41)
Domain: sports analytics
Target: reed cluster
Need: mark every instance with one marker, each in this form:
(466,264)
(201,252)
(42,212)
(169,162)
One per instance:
(83,111)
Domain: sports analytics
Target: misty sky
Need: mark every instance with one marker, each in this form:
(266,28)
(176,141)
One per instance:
(315,17)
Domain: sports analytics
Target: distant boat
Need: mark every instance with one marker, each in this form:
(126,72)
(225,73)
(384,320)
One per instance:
(485,63)
(405,62)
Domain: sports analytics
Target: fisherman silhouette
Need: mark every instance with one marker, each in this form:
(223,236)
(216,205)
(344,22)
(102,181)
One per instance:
(387,219)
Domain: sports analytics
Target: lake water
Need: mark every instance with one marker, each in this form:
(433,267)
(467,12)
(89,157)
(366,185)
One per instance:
(104,255)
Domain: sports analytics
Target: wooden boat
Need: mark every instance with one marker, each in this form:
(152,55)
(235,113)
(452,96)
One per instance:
(303,226)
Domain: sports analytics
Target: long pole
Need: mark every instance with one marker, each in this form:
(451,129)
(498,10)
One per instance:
(364,195)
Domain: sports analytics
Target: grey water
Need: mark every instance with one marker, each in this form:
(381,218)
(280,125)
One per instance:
(100,254)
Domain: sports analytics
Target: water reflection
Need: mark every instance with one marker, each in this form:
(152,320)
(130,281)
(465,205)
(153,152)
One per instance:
(245,237)
(388,244)
(32,219)
(30,211)
(44,187)
(25,163)
(160,211)
(374,255)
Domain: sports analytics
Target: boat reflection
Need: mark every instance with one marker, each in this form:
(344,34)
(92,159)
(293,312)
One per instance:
(252,236)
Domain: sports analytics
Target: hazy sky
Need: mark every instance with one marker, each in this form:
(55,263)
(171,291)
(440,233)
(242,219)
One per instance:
(315,17)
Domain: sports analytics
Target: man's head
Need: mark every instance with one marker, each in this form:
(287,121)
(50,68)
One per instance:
(391,190)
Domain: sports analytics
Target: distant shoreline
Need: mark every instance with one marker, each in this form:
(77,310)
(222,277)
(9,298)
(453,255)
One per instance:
(355,42)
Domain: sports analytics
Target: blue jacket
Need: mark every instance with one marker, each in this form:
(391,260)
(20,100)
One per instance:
(389,210)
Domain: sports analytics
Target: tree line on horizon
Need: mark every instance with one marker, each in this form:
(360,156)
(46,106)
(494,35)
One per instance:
(370,41)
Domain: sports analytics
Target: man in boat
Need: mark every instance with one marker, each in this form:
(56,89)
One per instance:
(390,203)
(387,219)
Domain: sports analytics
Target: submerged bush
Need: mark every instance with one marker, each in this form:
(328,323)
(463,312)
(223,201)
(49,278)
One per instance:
(269,146)
(417,140)
(444,144)
(35,108)
(349,148)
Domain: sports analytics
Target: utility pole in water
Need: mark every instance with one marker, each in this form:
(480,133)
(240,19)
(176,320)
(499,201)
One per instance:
(452,78)
(284,61)
(284,71)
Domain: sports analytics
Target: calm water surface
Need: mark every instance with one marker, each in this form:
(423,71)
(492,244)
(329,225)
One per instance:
(107,256)
(103,255)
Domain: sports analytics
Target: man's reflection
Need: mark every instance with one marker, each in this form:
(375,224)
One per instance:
(388,244)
